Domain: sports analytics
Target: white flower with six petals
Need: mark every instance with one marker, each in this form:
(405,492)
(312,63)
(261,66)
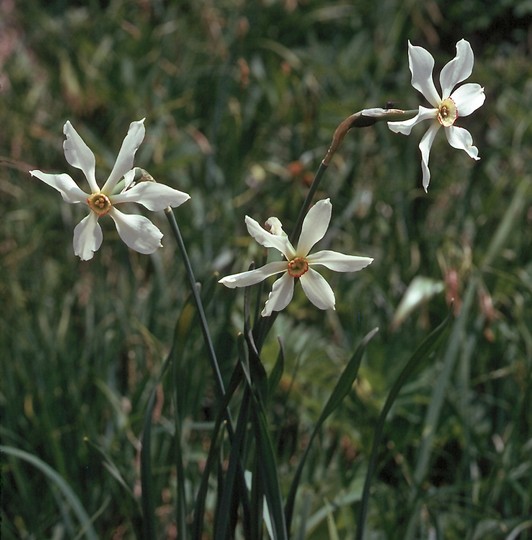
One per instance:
(138,232)
(446,109)
(298,262)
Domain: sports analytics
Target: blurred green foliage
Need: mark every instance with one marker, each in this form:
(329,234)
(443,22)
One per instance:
(241,99)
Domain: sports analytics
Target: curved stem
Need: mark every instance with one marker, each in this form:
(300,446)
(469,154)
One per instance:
(363,118)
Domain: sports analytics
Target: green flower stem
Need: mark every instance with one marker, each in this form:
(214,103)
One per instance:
(220,387)
(199,305)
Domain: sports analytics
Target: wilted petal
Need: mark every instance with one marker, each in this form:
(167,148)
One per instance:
(279,298)
(137,232)
(406,127)
(421,64)
(124,161)
(314,227)
(79,155)
(87,237)
(461,139)
(69,190)
(468,98)
(274,226)
(425,145)
(267,239)
(153,196)
(251,277)
(317,289)
(458,69)
(338,261)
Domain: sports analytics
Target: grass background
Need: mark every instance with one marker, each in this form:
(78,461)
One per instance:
(241,99)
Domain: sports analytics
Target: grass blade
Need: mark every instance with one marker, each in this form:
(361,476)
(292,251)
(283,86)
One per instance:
(267,469)
(342,388)
(422,353)
(226,506)
(86,524)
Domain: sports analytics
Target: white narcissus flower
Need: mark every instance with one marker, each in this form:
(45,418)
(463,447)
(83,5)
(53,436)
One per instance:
(138,232)
(298,263)
(447,108)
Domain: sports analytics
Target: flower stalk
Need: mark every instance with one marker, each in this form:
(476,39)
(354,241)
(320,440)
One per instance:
(194,289)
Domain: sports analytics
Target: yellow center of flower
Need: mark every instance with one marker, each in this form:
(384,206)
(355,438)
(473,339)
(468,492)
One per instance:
(297,267)
(447,112)
(99,203)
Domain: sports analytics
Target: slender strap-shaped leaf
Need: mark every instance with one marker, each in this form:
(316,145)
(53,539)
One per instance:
(72,499)
(199,506)
(265,453)
(181,499)
(422,354)
(226,505)
(257,498)
(111,467)
(257,372)
(277,371)
(269,472)
(342,388)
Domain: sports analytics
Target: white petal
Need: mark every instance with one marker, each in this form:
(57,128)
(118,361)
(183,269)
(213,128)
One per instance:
(425,145)
(129,177)
(153,196)
(137,232)
(87,237)
(406,126)
(458,69)
(338,261)
(461,139)
(314,227)
(279,298)
(251,277)
(421,64)
(317,289)
(79,155)
(468,98)
(124,161)
(269,240)
(70,192)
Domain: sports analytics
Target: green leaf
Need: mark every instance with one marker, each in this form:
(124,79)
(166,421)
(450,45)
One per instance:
(342,388)
(268,467)
(277,371)
(422,354)
(199,506)
(228,502)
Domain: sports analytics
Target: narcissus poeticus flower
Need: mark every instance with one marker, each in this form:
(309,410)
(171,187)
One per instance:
(298,263)
(138,232)
(447,108)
